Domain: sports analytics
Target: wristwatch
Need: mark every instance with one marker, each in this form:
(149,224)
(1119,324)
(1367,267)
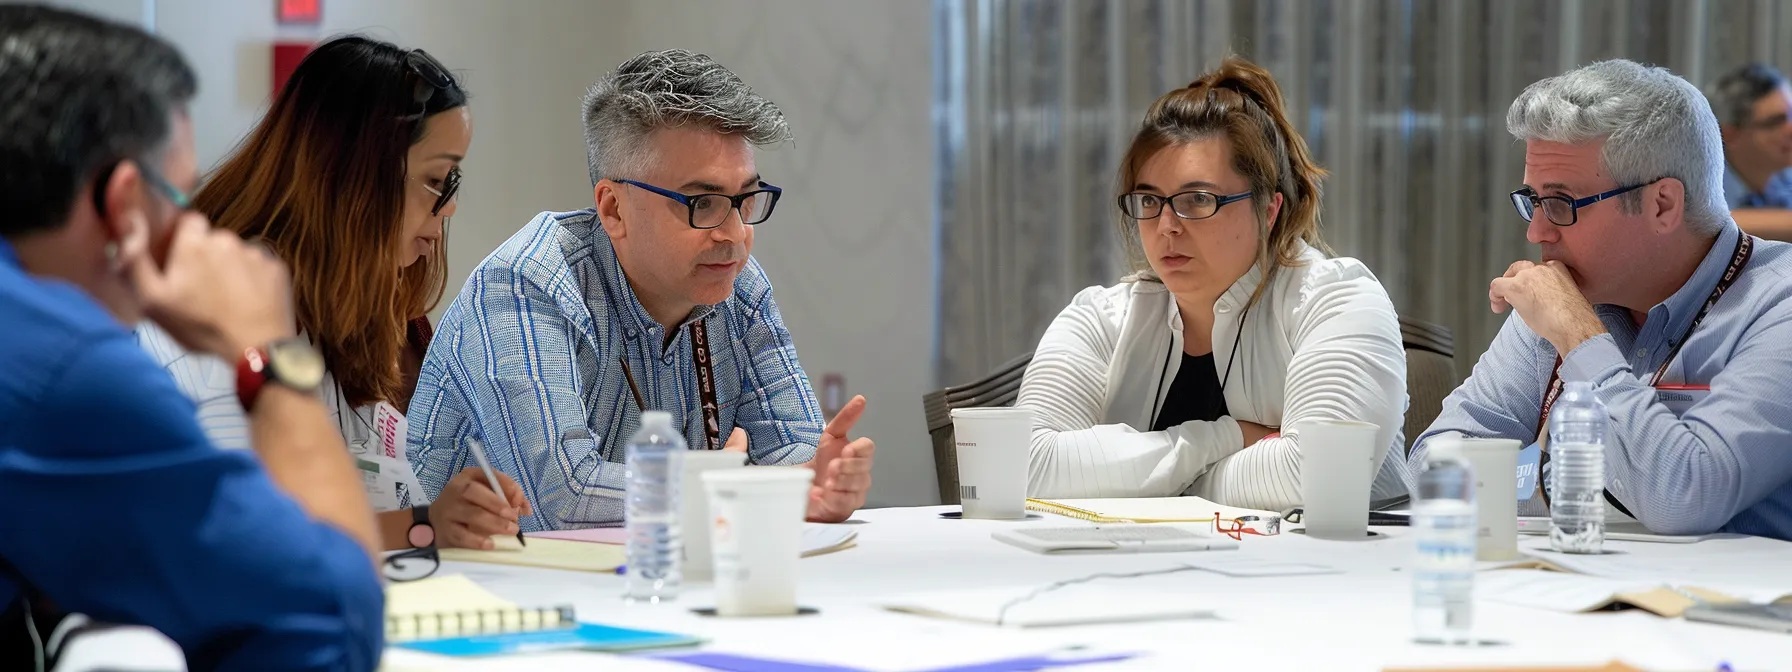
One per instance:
(422,534)
(290,362)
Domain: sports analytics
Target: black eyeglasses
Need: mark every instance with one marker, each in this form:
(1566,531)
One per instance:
(431,77)
(1187,205)
(422,562)
(450,187)
(709,211)
(1562,210)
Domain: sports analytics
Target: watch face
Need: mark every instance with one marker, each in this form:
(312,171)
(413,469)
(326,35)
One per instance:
(421,536)
(296,363)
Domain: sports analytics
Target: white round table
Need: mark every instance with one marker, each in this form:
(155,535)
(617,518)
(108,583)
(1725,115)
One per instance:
(1358,619)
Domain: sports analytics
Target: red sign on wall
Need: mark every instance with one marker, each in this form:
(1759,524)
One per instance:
(299,11)
(287,56)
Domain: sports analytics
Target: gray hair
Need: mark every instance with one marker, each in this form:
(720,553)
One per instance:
(1654,125)
(1734,95)
(669,89)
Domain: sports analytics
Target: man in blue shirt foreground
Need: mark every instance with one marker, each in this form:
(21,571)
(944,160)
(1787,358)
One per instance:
(1678,318)
(118,507)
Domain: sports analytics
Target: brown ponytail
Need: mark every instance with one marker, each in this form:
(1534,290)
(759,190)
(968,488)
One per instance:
(1242,101)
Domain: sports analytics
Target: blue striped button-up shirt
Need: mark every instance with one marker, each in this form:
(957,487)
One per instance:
(526,357)
(1723,465)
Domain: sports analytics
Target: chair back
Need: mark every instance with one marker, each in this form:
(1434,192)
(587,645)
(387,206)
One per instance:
(999,388)
(1430,373)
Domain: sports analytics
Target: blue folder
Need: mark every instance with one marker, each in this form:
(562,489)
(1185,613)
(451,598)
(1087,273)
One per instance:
(586,637)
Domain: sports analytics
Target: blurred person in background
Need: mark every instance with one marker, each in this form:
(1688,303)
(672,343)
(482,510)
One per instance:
(119,508)
(1235,326)
(1752,105)
(350,179)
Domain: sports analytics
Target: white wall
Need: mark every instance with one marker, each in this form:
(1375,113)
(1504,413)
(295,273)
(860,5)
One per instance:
(850,249)
(851,246)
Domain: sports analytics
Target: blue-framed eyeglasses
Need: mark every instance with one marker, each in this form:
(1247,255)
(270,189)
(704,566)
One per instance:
(1141,205)
(708,211)
(1562,210)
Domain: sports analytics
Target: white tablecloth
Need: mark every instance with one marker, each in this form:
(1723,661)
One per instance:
(1357,620)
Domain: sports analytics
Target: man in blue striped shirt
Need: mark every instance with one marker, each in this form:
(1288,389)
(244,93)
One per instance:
(582,320)
(1678,319)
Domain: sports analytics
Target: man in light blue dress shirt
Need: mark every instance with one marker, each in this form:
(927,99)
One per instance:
(1752,105)
(1623,179)
(565,334)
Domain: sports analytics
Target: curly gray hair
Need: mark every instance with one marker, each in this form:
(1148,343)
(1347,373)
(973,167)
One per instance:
(1654,125)
(668,89)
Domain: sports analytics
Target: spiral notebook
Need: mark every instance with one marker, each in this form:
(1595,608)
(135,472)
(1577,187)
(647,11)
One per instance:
(1185,509)
(451,615)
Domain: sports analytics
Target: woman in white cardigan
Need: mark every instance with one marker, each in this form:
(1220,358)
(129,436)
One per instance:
(1235,324)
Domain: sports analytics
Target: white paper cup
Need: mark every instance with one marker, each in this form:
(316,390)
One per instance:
(1336,473)
(992,460)
(1495,462)
(757,533)
(693,508)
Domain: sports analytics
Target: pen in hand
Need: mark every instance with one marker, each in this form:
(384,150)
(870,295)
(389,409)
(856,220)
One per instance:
(491,478)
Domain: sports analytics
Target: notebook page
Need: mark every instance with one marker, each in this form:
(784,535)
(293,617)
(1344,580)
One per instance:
(549,553)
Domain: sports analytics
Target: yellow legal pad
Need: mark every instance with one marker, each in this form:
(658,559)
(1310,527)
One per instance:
(1186,509)
(550,553)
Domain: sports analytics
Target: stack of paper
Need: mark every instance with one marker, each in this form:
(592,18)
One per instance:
(818,539)
(1187,509)
(1544,585)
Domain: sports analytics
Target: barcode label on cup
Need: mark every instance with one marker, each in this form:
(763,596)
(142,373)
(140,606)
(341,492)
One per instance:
(967,492)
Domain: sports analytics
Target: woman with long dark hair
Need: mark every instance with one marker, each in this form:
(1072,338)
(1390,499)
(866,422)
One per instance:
(350,180)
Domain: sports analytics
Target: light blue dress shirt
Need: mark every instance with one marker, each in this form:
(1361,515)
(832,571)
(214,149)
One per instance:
(1726,463)
(1777,193)
(526,357)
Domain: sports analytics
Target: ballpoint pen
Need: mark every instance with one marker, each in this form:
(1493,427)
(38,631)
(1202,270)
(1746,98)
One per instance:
(492,478)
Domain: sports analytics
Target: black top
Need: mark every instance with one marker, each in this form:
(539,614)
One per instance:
(1194,395)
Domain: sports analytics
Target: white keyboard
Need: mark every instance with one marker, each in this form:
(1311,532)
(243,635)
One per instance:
(1152,538)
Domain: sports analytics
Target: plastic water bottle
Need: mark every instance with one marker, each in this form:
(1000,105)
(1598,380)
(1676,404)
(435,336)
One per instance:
(1577,465)
(655,455)
(1443,523)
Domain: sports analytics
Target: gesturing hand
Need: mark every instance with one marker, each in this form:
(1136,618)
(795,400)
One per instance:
(842,468)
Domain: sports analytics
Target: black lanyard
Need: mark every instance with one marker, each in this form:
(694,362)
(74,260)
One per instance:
(706,386)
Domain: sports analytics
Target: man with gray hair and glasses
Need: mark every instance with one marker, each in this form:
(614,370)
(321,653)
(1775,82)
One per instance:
(1752,104)
(649,301)
(1650,292)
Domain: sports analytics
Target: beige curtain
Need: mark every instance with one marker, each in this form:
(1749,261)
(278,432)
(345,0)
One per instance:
(1403,100)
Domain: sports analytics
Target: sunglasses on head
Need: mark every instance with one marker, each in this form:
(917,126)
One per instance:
(431,77)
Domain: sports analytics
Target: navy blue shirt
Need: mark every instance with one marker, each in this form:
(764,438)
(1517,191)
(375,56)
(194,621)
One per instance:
(119,508)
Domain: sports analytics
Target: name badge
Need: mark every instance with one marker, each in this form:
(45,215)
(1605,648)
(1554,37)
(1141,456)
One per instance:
(1681,398)
(1529,461)
(390,429)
